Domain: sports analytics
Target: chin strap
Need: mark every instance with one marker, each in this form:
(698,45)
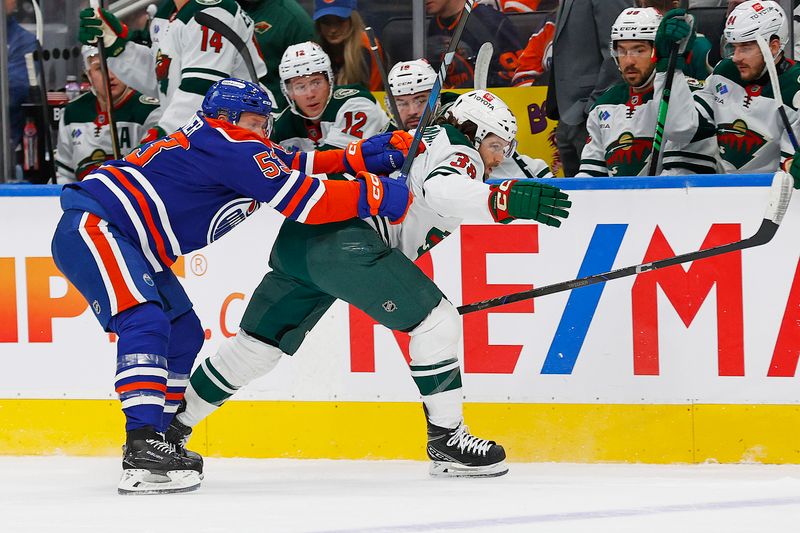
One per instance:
(649,81)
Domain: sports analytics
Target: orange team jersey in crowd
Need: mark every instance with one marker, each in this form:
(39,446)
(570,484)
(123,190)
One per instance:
(535,59)
(519,6)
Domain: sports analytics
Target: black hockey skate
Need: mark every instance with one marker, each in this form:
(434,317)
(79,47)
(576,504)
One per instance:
(150,465)
(177,435)
(457,453)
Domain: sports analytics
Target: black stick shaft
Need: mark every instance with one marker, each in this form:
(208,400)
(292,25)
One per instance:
(663,107)
(765,232)
(376,55)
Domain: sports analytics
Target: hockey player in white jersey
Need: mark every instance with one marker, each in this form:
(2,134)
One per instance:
(411,83)
(737,105)
(185,58)
(370,266)
(321,115)
(84,135)
(622,122)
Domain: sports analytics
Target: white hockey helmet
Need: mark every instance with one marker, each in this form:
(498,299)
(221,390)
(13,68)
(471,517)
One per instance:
(756,17)
(636,24)
(411,77)
(489,113)
(304,59)
(87,52)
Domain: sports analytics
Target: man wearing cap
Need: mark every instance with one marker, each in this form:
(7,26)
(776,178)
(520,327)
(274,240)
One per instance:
(84,137)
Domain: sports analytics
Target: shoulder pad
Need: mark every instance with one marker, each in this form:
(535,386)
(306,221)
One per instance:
(694,84)
(617,94)
(727,69)
(454,136)
(341,94)
(149,100)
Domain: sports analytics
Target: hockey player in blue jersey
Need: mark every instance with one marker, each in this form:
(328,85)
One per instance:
(128,221)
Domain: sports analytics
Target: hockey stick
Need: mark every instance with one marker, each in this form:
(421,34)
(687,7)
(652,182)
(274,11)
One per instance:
(776,88)
(780,194)
(663,106)
(42,83)
(482,62)
(427,115)
(101,47)
(376,55)
(214,24)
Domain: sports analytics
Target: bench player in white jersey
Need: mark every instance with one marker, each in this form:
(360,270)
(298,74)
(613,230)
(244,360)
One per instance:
(184,59)
(622,122)
(411,83)
(84,135)
(321,115)
(379,277)
(737,105)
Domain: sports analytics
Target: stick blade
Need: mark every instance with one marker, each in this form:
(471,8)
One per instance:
(779,195)
(482,62)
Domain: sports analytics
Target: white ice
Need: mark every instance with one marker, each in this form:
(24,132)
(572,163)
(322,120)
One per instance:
(72,494)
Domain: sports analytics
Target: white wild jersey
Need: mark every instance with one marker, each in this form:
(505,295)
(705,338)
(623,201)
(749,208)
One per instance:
(84,136)
(744,117)
(186,58)
(621,126)
(446,180)
(351,114)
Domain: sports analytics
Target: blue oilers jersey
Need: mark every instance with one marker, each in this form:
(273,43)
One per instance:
(182,192)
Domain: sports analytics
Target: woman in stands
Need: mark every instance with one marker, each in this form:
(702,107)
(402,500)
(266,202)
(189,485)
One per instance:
(342,36)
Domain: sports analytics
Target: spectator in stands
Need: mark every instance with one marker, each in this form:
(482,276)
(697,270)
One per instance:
(582,70)
(485,25)
(84,138)
(537,57)
(698,67)
(20,42)
(321,115)
(520,6)
(278,25)
(342,36)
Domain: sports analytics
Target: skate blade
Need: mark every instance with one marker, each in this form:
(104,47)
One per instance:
(445,469)
(135,481)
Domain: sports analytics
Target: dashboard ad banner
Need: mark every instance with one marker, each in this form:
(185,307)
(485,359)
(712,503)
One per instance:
(722,330)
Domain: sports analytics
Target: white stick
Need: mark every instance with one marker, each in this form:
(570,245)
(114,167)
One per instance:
(482,62)
(37,13)
(776,88)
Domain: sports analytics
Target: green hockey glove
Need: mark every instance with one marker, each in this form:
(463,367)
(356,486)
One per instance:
(674,30)
(794,169)
(99,22)
(528,200)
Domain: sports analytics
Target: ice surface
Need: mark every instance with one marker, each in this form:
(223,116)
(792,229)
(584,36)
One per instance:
(78,494)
